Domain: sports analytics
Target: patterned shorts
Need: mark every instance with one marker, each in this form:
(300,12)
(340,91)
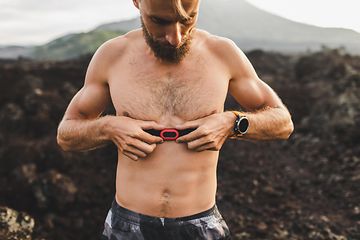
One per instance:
(122,223)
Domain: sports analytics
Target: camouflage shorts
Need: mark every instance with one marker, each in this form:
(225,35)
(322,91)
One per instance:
(122,223)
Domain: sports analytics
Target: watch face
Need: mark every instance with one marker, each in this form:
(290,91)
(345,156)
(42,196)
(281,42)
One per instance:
(243,125)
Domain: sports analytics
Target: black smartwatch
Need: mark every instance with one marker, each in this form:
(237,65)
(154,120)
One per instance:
(241,124)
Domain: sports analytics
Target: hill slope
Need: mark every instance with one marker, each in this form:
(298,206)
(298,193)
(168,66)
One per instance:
(249,26)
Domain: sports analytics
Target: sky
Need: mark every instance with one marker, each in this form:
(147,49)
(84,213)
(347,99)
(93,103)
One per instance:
(26,22)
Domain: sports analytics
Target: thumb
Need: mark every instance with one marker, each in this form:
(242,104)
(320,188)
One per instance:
(190,124)
(152,125)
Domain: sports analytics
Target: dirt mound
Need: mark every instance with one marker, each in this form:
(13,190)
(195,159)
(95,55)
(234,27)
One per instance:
(303,188)
(15,225)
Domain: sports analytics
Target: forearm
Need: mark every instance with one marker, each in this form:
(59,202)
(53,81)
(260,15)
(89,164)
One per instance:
(268,123)
(82,135)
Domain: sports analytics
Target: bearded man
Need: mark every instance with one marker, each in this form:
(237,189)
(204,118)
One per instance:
(168,83)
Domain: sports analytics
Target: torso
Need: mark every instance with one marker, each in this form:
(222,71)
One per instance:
(172,181)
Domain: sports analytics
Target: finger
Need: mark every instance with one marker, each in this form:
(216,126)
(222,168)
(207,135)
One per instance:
(131,156)
(208,146)
(151,125)
(198,133)
(135,151)
(148,138)
(142,146)
(189,124)
(211,145)
(197,143)
(222,141)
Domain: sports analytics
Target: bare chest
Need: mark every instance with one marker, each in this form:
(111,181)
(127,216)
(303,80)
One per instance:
(188,92)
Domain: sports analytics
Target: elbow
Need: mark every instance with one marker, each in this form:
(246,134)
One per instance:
(288,129)
(63,144)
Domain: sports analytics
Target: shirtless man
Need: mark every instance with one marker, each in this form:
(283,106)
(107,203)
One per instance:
(169,75)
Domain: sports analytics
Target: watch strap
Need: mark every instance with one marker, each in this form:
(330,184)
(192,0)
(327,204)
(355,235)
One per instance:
(234,134)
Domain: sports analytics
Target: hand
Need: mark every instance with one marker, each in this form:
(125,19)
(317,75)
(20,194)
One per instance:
(129,136)
(211,132)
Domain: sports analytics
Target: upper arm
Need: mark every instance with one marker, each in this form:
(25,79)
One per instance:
(92,99)
(245,86)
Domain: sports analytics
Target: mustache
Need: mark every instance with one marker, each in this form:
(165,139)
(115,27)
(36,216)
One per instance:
(165,50)
(167,45)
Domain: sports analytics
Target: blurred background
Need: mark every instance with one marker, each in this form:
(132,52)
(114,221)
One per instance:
(304,188)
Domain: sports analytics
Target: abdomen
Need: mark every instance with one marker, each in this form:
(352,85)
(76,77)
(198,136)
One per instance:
(170,182)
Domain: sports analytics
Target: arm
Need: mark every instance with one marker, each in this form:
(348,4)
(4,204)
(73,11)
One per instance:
(83,128)
(268,116)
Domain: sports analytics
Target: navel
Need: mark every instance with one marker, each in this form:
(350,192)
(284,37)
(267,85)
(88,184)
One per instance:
(165,202)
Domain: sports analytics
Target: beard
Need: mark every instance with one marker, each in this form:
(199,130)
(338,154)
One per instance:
(166,51)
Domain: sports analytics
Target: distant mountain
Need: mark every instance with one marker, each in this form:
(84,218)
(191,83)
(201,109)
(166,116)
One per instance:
(66,47)
(125,25)
(249,26)
(14,51)
(252,27)
(73,45)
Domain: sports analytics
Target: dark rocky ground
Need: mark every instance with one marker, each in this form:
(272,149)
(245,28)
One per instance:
(303,188)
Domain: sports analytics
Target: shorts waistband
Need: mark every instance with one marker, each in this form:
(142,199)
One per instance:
(138,217)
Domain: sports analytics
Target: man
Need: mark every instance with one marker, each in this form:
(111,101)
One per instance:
(169,82)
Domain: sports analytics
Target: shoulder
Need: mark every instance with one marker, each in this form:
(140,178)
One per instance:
(115,47)
(225,50)
(109,53)
(218,45)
